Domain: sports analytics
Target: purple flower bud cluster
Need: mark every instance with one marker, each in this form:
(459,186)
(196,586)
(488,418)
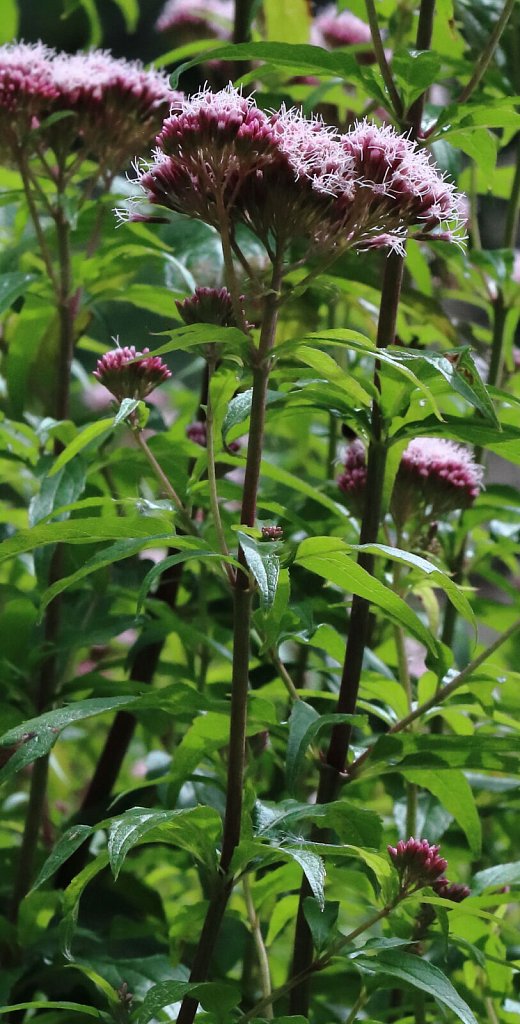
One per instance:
(208,306)
(453,891)
(417,863)
(126,374)
(287,176)
(198,433)
(352,481)
(117,105)
(272,532)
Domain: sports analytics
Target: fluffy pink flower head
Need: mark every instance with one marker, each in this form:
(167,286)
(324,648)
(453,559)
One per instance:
(208,306)
(126,374)
(205,152)
(26,90)
(288,176)
(417,863)
(403,186)
(453,891)
(352,481)
(332,29)
(197,18)
(117,105)
(437,476)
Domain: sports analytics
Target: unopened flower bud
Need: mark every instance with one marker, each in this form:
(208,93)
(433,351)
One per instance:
(126,374)
(272,532)
(417,863)
(451,890)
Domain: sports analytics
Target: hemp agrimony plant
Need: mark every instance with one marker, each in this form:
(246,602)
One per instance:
(259,616)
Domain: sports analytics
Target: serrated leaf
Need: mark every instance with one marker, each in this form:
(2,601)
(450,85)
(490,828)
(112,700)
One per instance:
(419,973)
(329,369)
(212,995)
(438,753)
(312,867)
(195,829)
(353,824)
(183,338)
(298,57)
(182,556)
(46,1004)
(264,565)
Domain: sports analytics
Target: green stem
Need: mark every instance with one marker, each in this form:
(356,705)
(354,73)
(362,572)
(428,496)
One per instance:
(163,480)
(35,217)
(212,478)
(284,675)
(487,54)
(379,51)
(261,952)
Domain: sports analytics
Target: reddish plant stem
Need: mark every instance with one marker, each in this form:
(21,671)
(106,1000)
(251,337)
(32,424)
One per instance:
(335,759)
(243,595)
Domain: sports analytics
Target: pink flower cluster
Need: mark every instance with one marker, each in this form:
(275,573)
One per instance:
(454,891)
(352,481)
(198,433)
(115,105)
(332,29)
(211,18)
(417,863)
(288,176)
(126,374)
(434,476)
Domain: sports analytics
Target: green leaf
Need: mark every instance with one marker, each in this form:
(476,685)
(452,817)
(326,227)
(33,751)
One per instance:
(114,553)
(438,576)
(130,11)
(354,825)
(65,847)
(415,71)
(45,1004)
(321,921)
(328,558)
(127,407)
(298,58)
(496,877)
(72,896)
(287,23)
(264,565)
(304,725)
(195,829)
(183,338)
(461,374)
(454,792)
(15,284)
(420,974)
(84,439)
(312,867)
(239,408)
(438,753)
(182,556)
(77,531)
(212,995)
(38,735)
(329,369)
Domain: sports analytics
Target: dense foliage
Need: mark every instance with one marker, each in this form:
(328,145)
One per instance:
(260,499)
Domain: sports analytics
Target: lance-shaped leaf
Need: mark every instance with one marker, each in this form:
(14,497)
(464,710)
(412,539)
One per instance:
(420,974)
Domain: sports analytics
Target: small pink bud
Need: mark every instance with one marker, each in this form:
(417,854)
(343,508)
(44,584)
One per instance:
(126,374)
